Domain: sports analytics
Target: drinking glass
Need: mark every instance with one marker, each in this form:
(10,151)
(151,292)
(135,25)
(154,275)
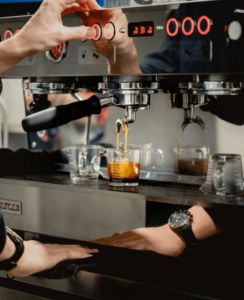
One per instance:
(123,167)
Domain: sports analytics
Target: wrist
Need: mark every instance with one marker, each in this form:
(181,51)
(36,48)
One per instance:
(177,239)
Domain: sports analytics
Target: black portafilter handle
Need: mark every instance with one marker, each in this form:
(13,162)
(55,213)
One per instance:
(60,115)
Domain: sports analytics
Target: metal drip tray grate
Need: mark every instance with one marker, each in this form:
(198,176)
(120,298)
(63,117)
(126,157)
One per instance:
(167,192)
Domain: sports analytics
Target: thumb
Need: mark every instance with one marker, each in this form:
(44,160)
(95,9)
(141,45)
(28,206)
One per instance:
(79,33)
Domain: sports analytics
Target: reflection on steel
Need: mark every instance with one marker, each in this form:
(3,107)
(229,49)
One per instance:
(212,88)
(51,87)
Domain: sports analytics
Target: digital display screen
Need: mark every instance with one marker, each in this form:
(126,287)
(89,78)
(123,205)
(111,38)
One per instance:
(139,29)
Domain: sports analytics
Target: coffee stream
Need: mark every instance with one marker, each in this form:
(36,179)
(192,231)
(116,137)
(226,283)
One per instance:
(193,166)
(123,170)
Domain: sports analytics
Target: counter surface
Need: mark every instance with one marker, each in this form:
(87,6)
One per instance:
(165,192)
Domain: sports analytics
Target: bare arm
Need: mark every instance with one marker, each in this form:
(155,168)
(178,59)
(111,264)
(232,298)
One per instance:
(48,31)
(38,257)
(162,239)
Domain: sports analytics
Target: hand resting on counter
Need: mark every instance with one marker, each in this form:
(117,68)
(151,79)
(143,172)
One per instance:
(162,239)
(39,257)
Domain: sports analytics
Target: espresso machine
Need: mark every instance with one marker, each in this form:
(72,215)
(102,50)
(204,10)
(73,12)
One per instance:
(190,50)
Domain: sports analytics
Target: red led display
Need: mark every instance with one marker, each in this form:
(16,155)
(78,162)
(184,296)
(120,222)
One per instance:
(190,32)
(207,30)
(18,30)
(139,29)
(172,20)
(7,34)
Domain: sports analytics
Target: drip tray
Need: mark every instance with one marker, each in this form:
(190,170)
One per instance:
(152,176)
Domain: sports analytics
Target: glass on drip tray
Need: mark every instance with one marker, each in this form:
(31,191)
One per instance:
(193,159)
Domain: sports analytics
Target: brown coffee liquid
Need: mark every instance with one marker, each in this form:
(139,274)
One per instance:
(193,166)
(123,171)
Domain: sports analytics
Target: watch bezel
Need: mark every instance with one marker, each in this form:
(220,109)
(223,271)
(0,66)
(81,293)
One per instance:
(188,214)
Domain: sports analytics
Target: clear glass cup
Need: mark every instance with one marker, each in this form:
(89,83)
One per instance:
(150,158)
(123,167)
(80,157)
(192,160)
(225,175)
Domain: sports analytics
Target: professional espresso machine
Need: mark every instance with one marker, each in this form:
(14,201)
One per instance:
(190,50)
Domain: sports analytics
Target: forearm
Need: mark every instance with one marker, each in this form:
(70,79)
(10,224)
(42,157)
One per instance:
(202,225)
(8,250)
(12,51)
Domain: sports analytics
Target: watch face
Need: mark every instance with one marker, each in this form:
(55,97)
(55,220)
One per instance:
(179,218)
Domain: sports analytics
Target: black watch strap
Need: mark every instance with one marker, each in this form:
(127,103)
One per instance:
(188,235)
(11,263)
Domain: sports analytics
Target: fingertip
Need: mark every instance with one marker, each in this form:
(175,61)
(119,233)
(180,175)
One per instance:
(94,251)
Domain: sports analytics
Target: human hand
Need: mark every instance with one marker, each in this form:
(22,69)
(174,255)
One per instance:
(123,43)
(39,257)
(45,30)
(159,239)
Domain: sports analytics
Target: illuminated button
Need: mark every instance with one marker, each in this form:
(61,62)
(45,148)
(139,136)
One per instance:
(109,31)
(7,34)
(99,32)
(84,25)
(18,30)
(235,30)
(199,23)
(172,27)
(192,26)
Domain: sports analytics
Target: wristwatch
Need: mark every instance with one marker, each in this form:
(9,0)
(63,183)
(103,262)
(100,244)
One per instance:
(9,264)
(180,222)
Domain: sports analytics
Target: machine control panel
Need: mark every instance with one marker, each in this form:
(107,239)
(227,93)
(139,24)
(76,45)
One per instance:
(204,37)
(188,26)
(8,33)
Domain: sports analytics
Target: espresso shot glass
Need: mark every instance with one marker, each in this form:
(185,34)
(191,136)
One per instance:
(123,167)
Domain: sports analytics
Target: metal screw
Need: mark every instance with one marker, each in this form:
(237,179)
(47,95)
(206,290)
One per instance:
(122,30)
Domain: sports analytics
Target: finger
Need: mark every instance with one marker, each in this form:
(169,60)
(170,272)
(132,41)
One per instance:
(92,4)
(79,33)
(73,8)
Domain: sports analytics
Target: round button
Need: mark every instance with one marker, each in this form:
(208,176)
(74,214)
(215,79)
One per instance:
(18,30)
(109,31)
(7,34)
(58,53)
(98,28)
(191,27)
(235,30)
(200,24)
(84,25)
(172,27)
